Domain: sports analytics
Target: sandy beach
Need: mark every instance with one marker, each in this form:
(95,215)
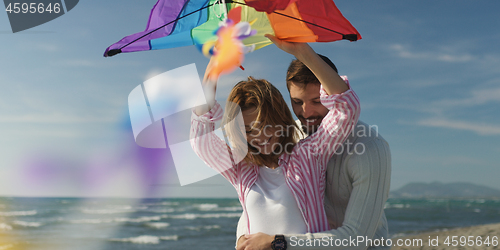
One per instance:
(475,237)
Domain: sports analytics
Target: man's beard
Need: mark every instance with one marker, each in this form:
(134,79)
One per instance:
(309,130)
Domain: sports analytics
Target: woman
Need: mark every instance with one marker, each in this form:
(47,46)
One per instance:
(280,182)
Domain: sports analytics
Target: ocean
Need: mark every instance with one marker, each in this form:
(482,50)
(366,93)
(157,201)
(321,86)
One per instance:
(101,224)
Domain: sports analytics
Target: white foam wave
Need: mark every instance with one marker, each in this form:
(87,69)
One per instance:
(239,208)
(117,220)
(164,203)
(121,207)
(203,227)
(18,213)
(146,239)
(27,224)
(207,206)
(158,225)
(397,206)
(5,227)
(215,207)
(143,239)
(140,219)
(161,210)
(106,211)
(195,216)
(170,237)
(92,221)
(168,203)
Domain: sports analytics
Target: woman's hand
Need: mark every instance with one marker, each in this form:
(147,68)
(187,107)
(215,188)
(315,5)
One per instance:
(209,89)
(258,241)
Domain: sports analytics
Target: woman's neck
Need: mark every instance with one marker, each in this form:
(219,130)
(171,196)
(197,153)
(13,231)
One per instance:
(273,165)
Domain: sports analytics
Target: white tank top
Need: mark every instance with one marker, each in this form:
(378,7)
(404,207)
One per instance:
(271,206)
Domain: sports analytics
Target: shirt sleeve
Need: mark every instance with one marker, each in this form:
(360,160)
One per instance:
(208,146)
(336,125)
(371,174)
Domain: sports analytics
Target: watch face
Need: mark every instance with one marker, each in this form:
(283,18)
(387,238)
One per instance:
(279,244)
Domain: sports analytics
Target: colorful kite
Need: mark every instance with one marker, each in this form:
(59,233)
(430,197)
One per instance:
(176,23)
(228,50)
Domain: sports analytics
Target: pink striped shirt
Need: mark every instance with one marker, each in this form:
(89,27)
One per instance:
(304,168)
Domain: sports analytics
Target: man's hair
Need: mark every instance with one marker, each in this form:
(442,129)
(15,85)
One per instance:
(271,109)
(301,75)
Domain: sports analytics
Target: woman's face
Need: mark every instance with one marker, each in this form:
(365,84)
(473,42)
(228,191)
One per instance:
(260,136)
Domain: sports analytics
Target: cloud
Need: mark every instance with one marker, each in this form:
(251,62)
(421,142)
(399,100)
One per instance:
(485,97)
(478,97)
(404,52)
(478,128)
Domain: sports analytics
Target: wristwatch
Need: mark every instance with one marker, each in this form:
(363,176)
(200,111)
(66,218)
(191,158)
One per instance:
(279,242)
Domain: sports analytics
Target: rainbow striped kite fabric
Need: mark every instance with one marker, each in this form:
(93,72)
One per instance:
(177,23)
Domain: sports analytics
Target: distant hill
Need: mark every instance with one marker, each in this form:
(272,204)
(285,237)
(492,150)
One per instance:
(445,190)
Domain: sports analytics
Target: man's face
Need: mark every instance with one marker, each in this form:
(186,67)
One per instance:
(307,106)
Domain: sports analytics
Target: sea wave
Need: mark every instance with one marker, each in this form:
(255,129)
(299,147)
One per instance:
(160,210)
(27,224)
(91,221)
(117,220)
(238,208)
(207,206)
(203,227)
(5,227)
(196,216)
(169,203)
(397,205)
(18,213)
(139,220)
(158,225)
(169,237)
(106,211)
(215,207)
(147,239)
(163,203)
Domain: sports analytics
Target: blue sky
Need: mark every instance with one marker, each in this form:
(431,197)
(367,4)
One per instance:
(427,74)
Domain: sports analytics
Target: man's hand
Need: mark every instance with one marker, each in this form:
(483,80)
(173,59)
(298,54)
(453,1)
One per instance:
(329,79)
(299,50)
(240,245)
(258,241)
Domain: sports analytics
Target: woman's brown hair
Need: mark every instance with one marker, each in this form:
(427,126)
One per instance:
(271,110)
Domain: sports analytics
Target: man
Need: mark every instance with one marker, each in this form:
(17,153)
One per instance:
(357,179)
